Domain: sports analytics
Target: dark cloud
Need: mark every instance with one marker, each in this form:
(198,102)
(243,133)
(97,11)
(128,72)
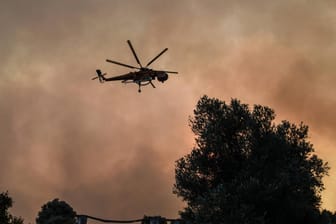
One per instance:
(110,151)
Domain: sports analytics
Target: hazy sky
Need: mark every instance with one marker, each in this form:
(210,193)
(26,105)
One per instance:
(109,151)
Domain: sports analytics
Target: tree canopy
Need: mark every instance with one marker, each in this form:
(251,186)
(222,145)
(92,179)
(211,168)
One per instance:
(56,212)
(6,202)
(244,168)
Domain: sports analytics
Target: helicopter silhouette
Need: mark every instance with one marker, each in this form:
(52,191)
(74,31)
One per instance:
(142,77)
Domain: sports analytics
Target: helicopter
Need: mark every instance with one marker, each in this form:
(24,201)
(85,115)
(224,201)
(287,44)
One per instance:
(142,77)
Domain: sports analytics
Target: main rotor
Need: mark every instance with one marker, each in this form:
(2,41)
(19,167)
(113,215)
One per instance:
(138,61)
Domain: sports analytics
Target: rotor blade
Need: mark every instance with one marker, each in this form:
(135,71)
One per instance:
(170,72)
(99,74)
(133,51)
(118,63)
(157,57)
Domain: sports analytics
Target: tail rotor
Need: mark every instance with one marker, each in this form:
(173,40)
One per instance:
(99,76)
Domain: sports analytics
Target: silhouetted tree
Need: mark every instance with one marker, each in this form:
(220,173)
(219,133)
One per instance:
(56,212)
(6,202)
(246,169)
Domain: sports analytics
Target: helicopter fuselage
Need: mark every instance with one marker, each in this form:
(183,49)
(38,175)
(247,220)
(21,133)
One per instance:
(145,74)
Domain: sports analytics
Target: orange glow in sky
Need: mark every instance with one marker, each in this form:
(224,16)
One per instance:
(109,151)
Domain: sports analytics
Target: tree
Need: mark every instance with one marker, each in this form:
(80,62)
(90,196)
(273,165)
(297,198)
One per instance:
(6,202)
(246,169)
(327,217)
(56,212)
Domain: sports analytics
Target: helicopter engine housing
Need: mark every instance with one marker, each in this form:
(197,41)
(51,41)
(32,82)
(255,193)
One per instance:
(162,77)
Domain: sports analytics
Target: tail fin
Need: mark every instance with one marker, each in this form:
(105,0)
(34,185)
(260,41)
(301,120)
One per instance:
(100,76)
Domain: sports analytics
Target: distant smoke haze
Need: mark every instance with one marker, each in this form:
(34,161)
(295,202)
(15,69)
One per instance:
(109,151)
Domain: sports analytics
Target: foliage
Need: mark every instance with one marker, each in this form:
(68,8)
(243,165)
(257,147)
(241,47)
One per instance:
(56,212)
(327,217)
(246,169)
(6,202)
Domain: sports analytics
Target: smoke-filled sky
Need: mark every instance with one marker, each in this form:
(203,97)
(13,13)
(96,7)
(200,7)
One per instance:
(108,150)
